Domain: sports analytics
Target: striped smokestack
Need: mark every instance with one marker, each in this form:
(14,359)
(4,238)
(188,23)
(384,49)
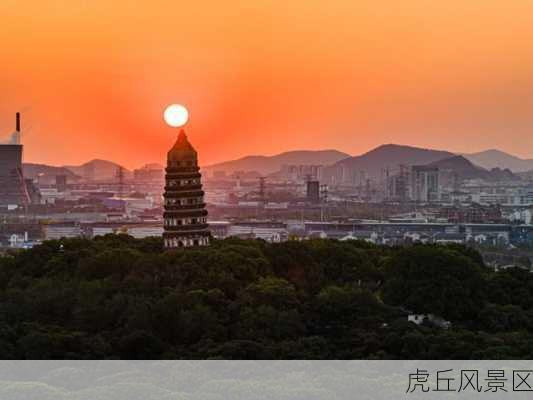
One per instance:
(18,122)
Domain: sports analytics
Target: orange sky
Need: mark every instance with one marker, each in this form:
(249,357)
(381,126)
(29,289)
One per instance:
(92,77)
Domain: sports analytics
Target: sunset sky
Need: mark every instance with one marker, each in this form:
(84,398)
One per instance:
(93,77)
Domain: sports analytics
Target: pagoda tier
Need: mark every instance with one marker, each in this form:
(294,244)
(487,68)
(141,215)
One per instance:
(185,216)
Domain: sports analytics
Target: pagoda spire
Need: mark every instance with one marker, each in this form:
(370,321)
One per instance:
(185,216)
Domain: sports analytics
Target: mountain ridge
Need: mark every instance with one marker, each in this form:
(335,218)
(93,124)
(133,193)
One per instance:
(494,158)
(269,164)
(98,169)
(371,165)
(463,168)
(338,165)
(33,170)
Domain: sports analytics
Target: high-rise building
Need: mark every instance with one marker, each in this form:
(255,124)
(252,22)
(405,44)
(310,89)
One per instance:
(61,183)
(425,183)
(397,185)
(185,216)
(313,191)
(13,191)
(300,172)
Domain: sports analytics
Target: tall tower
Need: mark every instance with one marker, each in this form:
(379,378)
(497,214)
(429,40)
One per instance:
(13,190)
(185,216)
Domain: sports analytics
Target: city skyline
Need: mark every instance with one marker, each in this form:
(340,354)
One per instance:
(266,77)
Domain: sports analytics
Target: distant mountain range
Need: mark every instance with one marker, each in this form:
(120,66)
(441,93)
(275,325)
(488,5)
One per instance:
(463,168)
(98,169)
(498,159)
(32,171)
(92,170)
(340,167)
(268,164)
(372,165)
(388,159)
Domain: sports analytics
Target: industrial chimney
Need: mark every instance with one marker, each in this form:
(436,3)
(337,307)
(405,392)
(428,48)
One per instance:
(15,136)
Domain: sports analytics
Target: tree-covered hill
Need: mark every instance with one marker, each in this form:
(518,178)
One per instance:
(118,297)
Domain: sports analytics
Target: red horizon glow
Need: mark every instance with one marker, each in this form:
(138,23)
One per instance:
(92,79)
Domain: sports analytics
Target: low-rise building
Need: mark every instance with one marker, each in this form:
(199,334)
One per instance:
(419,319)
(274,235)
(62,230)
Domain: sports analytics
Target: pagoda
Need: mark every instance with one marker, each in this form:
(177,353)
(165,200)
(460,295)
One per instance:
(185,216)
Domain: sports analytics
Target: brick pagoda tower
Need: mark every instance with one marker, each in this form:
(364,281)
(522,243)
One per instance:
(185,216)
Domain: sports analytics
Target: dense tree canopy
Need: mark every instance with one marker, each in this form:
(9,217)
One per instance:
(435,280)
(118,297)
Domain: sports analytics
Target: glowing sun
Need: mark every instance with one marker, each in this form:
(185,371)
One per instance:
(176,115)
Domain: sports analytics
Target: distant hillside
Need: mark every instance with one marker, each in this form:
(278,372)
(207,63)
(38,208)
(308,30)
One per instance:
(31,171)
(153,166)
(462,168)
(527,175)
(270,164)
(98,170)
(371,165)
(498,159)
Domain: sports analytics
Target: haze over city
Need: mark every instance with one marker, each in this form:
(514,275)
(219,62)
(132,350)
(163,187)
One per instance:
(92,78)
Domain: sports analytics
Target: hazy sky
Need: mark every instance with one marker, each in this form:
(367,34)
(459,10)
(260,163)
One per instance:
(259,77)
